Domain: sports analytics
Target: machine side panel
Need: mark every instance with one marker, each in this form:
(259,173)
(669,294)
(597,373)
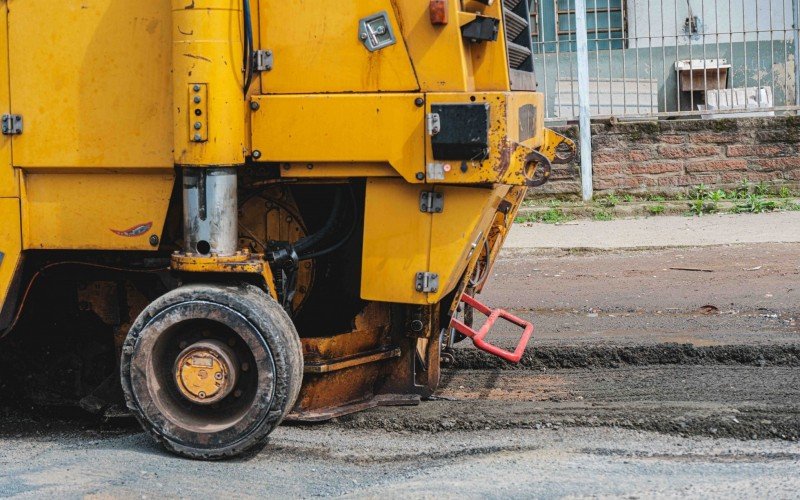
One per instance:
(342,128)
(103,211)
(460,231)
(443,60)
(92,83)
(317,48)
(9,185)
(10,244)
(397,242)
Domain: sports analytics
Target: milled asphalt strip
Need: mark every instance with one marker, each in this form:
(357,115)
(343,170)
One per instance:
(611,356)
(657,232)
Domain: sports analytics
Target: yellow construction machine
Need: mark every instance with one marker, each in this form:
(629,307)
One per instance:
(269,209)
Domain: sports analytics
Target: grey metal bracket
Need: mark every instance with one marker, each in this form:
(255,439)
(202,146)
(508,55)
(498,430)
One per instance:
(12,124)
(427,282)
(431,202)
(263,60)
(376,32)
(434,123)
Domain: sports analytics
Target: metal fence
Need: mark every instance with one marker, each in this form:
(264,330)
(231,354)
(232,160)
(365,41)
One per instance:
(705,58)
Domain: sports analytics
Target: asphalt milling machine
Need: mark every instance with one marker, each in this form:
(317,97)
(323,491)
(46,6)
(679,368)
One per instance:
(235,213)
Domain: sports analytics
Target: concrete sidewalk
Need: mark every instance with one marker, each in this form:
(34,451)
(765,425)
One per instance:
(659,232)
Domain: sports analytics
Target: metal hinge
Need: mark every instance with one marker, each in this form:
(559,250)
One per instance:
(431,202)
(434,123)
(263,60)
(12,124)
(427,282)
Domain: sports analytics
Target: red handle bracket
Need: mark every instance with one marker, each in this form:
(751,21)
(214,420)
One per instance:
(492,316)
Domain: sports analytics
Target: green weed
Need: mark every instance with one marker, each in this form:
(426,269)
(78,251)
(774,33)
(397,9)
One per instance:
(761,189)
(602,215)
(655,209)
(553,216)
(755,204)
(609,201)
(701,206)
(791,206)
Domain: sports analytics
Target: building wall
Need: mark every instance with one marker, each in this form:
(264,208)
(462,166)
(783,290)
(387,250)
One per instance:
(672,156)
(653,23)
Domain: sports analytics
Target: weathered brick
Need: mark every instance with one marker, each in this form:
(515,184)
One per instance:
(642,155)
(607,170)
(673,139)
(672,155)
(769,164)
(759,150)
(618,156)
(729,178)
(676,181)
(622,155)
(688,152)
(606,141)
(717,138)
(783,135)
(715,165)
(654,168)
(617,183)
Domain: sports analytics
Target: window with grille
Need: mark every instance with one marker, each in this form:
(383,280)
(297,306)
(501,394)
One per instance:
(555,25)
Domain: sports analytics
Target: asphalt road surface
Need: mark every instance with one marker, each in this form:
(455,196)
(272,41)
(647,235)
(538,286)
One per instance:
(652,373)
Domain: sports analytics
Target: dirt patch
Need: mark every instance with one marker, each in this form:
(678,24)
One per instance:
(740,402)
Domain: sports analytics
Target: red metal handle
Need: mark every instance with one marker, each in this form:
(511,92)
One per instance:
(492,316)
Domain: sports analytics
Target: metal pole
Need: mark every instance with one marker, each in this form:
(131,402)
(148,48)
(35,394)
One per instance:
(796,31)
(583,99)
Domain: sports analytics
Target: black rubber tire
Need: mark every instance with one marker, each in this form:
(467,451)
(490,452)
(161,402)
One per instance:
(273,332)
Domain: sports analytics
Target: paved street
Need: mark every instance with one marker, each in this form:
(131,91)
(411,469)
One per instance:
(667,371)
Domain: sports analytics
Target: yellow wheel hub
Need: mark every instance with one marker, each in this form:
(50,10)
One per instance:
(206,371)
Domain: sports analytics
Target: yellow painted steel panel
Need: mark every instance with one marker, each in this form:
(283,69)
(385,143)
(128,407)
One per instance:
(443,60)
(334,170)
(342,128)
(397,242)
(92,81)
(10,244)
(459,231)
(8,177)
(114,211)
(207,64)
(317,48)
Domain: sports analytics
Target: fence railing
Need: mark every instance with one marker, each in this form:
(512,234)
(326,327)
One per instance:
(665,58)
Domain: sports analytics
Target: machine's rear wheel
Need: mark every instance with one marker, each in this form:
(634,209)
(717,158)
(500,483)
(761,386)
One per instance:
(211,370)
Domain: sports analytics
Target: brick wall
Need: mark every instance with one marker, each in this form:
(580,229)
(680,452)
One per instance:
(672,156)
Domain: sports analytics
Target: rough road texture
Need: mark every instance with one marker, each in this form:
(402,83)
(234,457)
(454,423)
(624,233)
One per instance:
(641,381)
